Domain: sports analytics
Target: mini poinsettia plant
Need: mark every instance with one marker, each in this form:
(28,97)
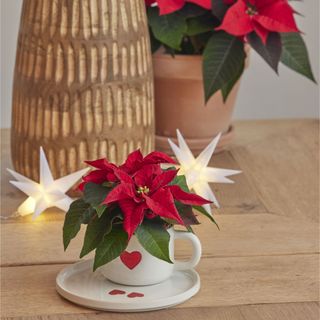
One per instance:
(219,30)
(137,198)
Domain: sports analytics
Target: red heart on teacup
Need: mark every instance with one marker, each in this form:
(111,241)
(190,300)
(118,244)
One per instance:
(131,259)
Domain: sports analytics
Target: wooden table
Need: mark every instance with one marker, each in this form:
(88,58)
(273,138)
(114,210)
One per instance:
(263,264)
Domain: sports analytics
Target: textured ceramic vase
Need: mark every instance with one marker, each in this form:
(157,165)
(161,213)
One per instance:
(83,84)
(180,104)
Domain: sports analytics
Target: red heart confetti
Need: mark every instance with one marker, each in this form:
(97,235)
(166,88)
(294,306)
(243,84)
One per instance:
(135,295)
(115,292)
(131,259)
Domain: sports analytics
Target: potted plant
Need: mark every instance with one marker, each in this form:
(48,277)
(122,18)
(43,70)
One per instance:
(130,211)
(200,52)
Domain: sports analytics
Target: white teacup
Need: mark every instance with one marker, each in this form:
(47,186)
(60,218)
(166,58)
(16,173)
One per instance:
(137,267)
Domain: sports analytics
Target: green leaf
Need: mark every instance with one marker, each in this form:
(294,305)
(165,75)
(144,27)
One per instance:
(169,221)
(111,246)
(181,182)
(219,8)
(169,28)
(226,89)
(155,239)
(186,213)
(271,51)
(101,209)
(94,194)
(155,44)
(190,10)
(96,230)
(169,168)
(295,55)
(200,25)
(189,228)
(79,212)
(206,213)
(223,58)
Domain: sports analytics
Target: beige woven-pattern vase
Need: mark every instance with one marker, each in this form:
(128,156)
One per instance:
(83,85)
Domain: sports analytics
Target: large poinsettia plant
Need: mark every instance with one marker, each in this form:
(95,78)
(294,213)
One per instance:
(137,198)
(219,29)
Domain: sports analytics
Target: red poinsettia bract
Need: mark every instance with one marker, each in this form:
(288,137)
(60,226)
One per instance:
(261,16)
(148,193)
(169,6)
(105,170)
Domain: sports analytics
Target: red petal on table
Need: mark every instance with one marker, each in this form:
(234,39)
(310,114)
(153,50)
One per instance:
(133,215)
(236,21)
(116,292)
(163,179)
(277,17)
(157,157)
(162,204)
(120,192)
(135,295)
(187,198)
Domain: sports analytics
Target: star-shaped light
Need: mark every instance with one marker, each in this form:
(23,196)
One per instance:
(196,170)
(48,192)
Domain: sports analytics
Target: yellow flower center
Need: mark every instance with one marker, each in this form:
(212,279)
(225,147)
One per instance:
(143,190)
(251,11)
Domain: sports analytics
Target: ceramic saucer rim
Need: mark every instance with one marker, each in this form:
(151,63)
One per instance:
(125,306)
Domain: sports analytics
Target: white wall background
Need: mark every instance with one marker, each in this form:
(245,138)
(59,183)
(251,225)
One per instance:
(262,95)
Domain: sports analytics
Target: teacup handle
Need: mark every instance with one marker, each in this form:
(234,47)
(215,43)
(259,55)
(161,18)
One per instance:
(196,255)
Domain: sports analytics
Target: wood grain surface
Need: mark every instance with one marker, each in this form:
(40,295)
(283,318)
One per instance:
(262,265)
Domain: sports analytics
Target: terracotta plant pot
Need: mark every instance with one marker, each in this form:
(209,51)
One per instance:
(179,104)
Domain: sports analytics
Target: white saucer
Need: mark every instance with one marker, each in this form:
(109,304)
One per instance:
(80,285)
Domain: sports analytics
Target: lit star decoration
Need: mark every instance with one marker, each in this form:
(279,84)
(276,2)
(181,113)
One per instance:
(196,170)
(48,192)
